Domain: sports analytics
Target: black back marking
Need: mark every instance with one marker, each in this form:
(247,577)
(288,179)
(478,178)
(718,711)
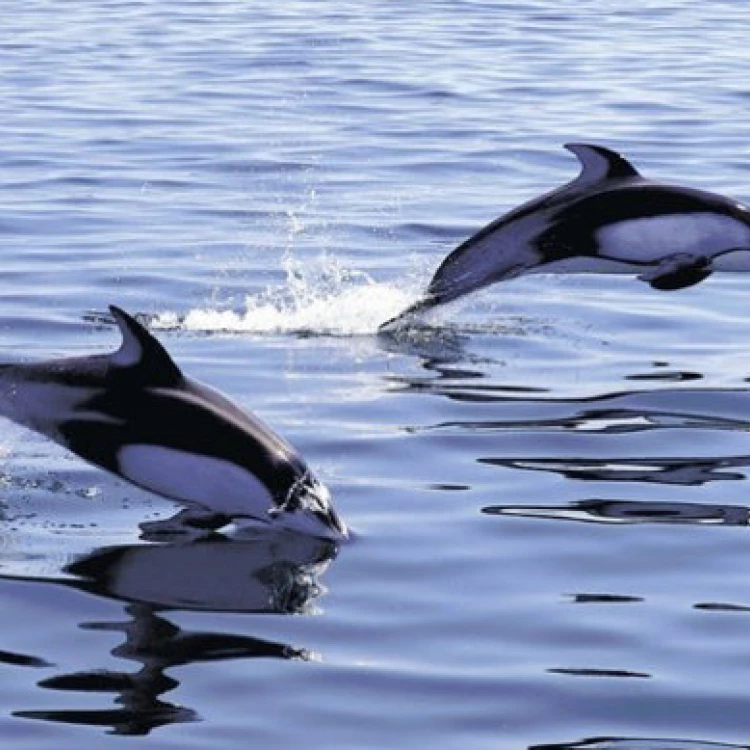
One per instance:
(574,229)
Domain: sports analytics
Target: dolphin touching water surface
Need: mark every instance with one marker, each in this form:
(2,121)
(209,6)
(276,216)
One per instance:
(135,414)
(609,219)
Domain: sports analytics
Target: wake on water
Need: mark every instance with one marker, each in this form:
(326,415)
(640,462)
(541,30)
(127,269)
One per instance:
(324,298)
(318,298)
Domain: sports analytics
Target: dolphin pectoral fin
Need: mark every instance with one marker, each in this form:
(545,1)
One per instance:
(678,271)
(188,522)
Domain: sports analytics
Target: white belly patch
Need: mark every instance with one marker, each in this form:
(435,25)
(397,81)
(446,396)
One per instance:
(213,483)
(649,239)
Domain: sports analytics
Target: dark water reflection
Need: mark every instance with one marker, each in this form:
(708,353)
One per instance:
(630,512)
(269,574)
(592,672)
(156,645)
(22,660)
(521,415)
(679,471)
(638,743)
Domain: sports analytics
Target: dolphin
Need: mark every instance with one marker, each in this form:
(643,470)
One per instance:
(609,219)
(134,413)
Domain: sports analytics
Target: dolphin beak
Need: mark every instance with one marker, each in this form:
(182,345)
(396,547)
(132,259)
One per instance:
(330,519)
(311,512)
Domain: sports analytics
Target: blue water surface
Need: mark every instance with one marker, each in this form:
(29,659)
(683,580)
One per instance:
(548,484)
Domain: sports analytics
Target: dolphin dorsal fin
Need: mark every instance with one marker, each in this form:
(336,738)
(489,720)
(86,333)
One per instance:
(141,353)
(600,164)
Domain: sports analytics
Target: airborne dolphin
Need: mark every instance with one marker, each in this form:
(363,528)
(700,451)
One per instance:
(135,414)
(609,219)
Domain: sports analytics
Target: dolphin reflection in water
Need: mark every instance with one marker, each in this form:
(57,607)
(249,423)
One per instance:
(134,413)
(276,572)
(609,219)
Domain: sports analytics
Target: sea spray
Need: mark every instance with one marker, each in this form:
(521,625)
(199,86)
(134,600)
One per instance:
(319,297)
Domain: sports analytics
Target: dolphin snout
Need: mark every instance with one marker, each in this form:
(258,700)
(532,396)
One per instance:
(331,520)
(324,524)
(311,512)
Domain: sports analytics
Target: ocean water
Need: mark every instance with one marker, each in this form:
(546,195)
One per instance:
(547,482)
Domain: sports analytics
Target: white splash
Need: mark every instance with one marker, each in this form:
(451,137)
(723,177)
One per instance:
(319,298)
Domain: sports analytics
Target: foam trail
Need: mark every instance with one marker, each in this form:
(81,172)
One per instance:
(319,298)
